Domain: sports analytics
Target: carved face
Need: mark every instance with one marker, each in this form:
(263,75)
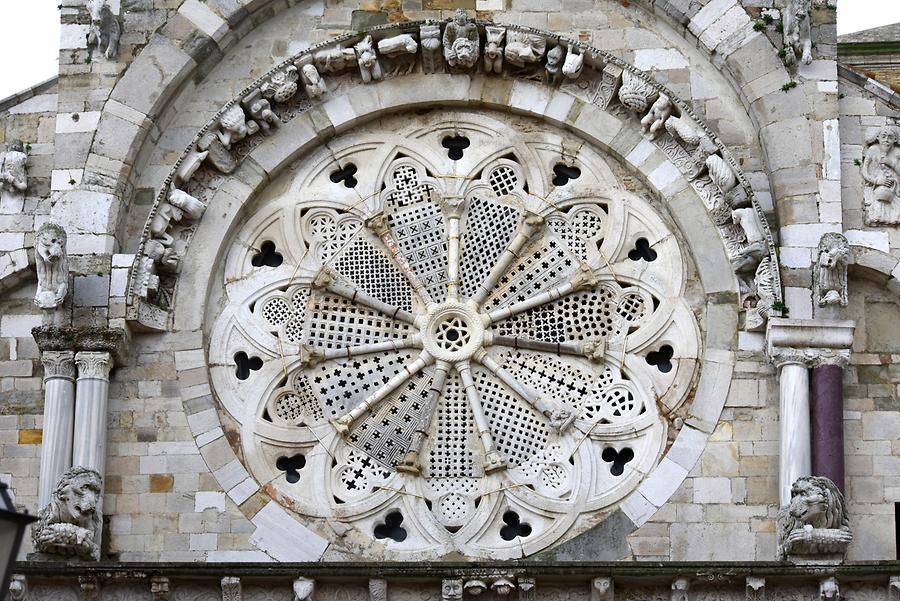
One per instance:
(461,17)
(50,245)
(887,137)
(452,589)
(809,504)
(80,496)
(465,50)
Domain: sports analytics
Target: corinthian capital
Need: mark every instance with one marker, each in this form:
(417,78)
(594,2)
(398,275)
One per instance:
(93,365)
(58,365)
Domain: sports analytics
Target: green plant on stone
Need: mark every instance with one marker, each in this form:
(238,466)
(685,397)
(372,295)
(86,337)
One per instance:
(789,86)
(780,307)
(759,26)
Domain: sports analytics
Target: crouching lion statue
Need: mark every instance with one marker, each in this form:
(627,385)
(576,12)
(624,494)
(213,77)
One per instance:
(815,521)
(69,524)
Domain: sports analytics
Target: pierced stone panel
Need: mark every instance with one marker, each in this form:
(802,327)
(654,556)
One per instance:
(448,364)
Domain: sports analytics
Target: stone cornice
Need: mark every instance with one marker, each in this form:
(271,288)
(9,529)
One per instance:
(809,342)
(70,338)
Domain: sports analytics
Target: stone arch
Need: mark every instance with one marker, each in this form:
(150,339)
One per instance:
(16,268)
(876,264)
(615,132)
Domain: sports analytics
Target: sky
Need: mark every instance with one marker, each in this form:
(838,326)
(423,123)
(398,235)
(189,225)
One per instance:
(29,36)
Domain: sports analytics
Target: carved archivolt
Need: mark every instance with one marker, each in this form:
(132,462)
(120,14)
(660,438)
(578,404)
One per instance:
(328,70)
(433,339)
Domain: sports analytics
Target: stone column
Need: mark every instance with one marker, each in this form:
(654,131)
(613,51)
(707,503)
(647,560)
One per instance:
(795,449)
(59,420)
(92,397)
(827,417)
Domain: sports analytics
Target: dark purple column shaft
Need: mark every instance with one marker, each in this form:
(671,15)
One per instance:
(827,421)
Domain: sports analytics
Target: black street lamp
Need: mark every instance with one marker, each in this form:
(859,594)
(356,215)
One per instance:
(12,530)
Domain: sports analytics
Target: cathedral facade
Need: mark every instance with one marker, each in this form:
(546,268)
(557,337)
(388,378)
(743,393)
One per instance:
(436,299)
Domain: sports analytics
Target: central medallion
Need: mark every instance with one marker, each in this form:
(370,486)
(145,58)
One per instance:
(452,331)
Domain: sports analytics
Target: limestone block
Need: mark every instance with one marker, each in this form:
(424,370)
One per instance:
(73,123)
(152,76)
(285,539)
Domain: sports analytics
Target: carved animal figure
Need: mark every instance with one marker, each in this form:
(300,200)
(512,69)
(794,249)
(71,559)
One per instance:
(523,47)
(461,54)
(12,168)
(178,204)
(574,63)
(52,266)
(493,52)
(398,44)
(260,110)
(797,38)
(313,83)
(816,504)
(653,122)
(369,68)
(720,173)
(69,524)
(830,286)
(335,59)
(684,130)
(881,172)
(105,29)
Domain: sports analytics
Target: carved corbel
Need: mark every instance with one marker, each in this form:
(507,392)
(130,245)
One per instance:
(282,86)
(830,270)
(159,588)
(462,42)
(377,589)
(756,588)
(527,589)
(503,586)
(602,589)
(680,589)
(234,126)
(51,262)
(894,588)
(430,38)
(260,110)
(400,50)
(610,84)
(69,526)
(475,587)
(574,63)
(653,123)
(493,49)
(554,64)
(18,587)
(305,587)
(367,59)
(231,588)
(451,589)
(829,590)
(636,94)
(90,588)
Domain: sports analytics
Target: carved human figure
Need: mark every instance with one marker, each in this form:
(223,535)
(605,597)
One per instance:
(765,294)
(555,59)
(18,588)
(52,266)
(881,172)
(524,48)
(430,36)
(461,41)
(13,175)
(653,122)
(451,589)
(815,521)
(70,523)
(797,38)
(749,221)
(369,69)
(105,29)
(830,275)
(493,49)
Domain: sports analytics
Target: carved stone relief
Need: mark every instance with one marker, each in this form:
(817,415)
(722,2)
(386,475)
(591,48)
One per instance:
(830,271)
(70,524)
(13,172)
(105,29)
(814,526)
(881,173)
(52,266)
(797,38)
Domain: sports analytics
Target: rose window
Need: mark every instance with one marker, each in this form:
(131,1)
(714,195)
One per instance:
(455,355)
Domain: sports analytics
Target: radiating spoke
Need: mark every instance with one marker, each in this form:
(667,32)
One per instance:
(583,279)
(342,424)
(410,462)
(591,349)
(453,210)
(311,355)
(379,225)
(527,229)
(326,279)
(560,415)
(492,459)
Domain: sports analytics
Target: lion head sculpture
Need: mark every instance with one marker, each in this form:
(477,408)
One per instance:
(815,520)
(52,266)
(70,523)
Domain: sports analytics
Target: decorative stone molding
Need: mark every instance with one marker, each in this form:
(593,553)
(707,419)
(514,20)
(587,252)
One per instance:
(90,588)
(830,270)
(829,590)
(814,527)
(105,29)
(70,524)
(377,590)
(159,588)
(13,171)
(756,588)
(93,365)
(881,174)
(681,589)
(18,587)
(52,266)
(231,588)
(797,36)
(155,274)
(894,588)
(304,588)
(58,364)
(603,589)
(69,338)
(809,342)
(527,589)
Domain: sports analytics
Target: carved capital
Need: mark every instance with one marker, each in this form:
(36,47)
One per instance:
(93,365)
(756,588)
(809,357)
(378,223)
(231,588)
(602,589)
(809,342)
(58,365)
(304,588)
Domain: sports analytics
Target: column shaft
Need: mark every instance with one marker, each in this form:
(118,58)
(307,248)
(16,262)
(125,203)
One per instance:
(795,448)
(92,394)
(827,417)
(59,421)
